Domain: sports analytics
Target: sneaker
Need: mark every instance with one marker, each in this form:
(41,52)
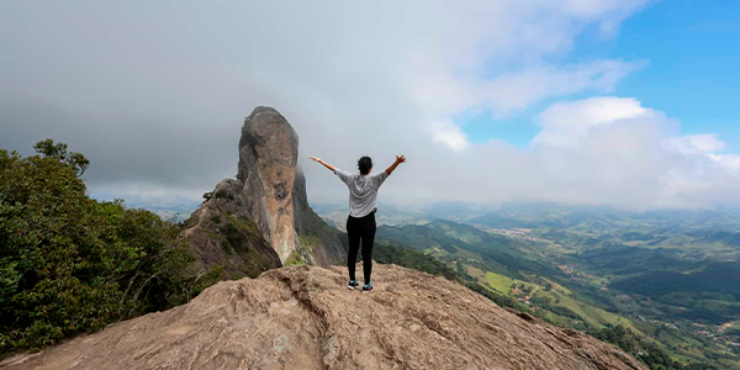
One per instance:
(352,284)
(367,287)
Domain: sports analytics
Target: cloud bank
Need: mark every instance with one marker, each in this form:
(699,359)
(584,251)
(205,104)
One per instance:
(154,93)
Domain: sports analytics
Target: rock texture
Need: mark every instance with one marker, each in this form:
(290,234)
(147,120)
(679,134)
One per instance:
(303,317)
(275,192)
(268,154)
(264,220)
(222,234)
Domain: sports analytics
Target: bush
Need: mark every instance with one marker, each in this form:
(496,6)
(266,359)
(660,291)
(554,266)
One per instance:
(70,264)
(223,194)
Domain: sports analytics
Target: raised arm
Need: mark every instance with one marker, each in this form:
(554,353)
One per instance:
(330,167)
(399,159)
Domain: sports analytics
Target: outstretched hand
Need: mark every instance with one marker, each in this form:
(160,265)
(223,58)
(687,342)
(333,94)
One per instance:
(318,160)
(399,159)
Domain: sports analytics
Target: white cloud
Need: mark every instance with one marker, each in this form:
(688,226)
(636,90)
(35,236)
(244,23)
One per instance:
(730,162)
(705,143)
(519,90)
(613,151)
(450,135)
(566,123)
(157,99)
(605,151)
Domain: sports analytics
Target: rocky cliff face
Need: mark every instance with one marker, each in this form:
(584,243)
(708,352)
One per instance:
(275,192)
(268,153)
(222,234)
(263,220)
(303,317)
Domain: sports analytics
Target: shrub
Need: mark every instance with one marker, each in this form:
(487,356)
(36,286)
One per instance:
(223,194)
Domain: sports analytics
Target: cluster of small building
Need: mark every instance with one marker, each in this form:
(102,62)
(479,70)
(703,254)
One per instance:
(578,276)
(524,299)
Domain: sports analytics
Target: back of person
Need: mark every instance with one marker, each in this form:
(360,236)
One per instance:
(363,191)
(363,194)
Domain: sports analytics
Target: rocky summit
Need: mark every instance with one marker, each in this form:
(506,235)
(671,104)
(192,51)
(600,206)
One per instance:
(275,191)
(262,219)
(303,317)
(268,154)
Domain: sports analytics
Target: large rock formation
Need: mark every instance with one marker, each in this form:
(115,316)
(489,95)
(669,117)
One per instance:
(263,220)
(275,192)
(268,154)
(304,318)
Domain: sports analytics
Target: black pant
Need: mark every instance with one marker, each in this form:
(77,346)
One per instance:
(361,228)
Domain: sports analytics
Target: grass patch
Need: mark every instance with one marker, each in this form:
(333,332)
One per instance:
(190,222)
(215,235)
(501,283)
(294,260)
(559,297)
(476,273)
(305,252)
(245,225)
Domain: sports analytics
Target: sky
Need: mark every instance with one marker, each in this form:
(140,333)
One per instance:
(626,103)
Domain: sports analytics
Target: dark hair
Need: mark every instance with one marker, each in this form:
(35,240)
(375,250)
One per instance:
(365,164)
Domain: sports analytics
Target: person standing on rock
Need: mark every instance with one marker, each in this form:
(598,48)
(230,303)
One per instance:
(363,193)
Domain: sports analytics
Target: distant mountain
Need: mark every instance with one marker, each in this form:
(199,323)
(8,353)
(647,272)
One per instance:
(617,259)
(177,208)
(497,221)
(387,215)
(600,217)
(456,241)
(456,211)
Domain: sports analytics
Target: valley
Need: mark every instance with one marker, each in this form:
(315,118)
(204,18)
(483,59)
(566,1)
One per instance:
(670,279)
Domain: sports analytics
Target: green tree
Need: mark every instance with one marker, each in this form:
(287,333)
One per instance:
(70,264)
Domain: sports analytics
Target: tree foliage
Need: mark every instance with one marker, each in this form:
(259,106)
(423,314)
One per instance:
(643,349)
(70,264)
